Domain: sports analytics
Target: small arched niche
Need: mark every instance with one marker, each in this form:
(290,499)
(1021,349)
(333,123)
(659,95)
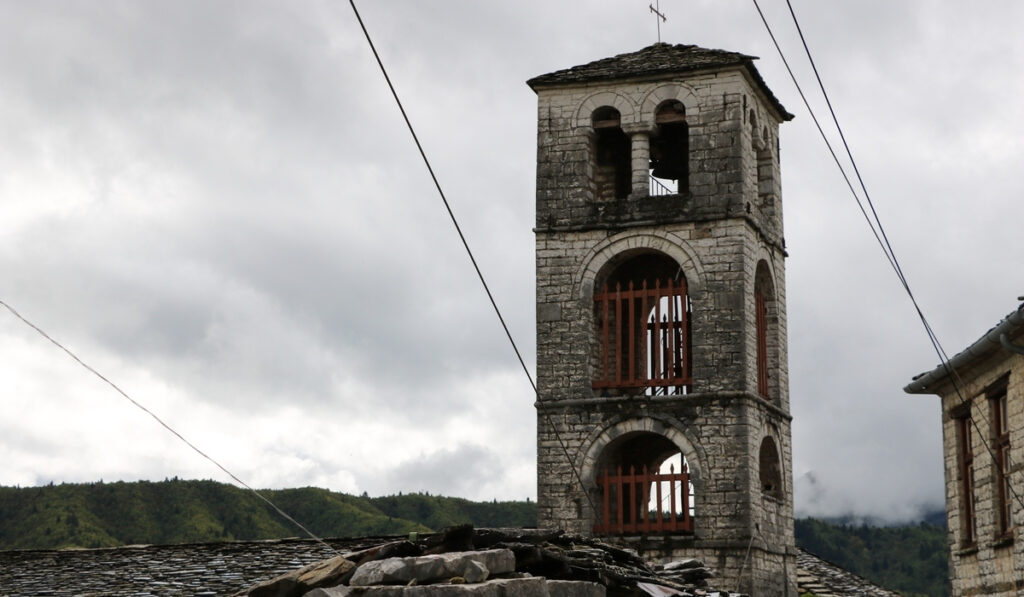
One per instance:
(769,467)
(611,151)
(765,171)
(766,333)
(670,146)
(643,485)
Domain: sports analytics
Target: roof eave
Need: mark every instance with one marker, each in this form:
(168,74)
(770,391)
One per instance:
(562,79)
(745,65)
(930,382)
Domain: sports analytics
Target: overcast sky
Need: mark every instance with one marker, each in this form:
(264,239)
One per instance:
(217,206)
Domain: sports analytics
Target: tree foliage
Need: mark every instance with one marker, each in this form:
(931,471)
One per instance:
(909,559)
(175,511)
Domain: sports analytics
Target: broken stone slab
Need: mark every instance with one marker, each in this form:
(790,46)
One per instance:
(325,573)
(394,549)
(690,575)
(503,587)
(473,566)
(683,564)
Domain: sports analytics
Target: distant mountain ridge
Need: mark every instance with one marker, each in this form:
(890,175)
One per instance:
(911,559)
(176,511)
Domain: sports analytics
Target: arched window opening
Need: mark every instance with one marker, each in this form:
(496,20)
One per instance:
(670,146)
(770,468)
(612,175)
(643,314)
(643,485)
(765,332)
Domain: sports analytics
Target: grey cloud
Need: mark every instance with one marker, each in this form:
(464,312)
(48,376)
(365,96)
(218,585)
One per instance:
(248,222)
(462,470)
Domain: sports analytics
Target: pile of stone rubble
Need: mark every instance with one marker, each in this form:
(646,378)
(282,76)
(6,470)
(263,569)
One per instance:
(489,563)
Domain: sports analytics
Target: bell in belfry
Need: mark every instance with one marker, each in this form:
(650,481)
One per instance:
(671,144)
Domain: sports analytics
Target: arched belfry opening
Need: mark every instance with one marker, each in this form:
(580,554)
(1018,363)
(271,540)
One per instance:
(769,467)
(670,146)
(642,485)
(642,342)
(611,149)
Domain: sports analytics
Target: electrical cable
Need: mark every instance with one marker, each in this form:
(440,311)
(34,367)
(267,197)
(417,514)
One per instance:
(469,252)
(166,426)
(887,248)
(814,118)
(873,220)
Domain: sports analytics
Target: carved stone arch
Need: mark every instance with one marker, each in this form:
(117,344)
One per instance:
(625,106)
(768,343)
(630,242)
(762,254)
(616,427)
(670,91)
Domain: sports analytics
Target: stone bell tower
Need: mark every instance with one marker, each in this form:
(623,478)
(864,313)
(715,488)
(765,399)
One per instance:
(663,412)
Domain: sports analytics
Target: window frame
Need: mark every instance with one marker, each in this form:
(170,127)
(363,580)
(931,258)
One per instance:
(996,394)
(965,471)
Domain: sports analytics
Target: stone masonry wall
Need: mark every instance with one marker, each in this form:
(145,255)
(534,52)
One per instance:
(718,230)
(995,566)
(724,180)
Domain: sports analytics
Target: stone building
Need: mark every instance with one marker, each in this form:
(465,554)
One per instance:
(663,406)
(982,391)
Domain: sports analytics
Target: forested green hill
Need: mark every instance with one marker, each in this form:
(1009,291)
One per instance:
(111,514)
(911,559)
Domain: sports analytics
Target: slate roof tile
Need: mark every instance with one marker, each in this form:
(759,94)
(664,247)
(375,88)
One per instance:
(657,59)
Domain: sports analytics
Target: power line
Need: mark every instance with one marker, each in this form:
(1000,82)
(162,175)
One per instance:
(887,248)
(165,425)
(469,252)
(874,220)
(817,124)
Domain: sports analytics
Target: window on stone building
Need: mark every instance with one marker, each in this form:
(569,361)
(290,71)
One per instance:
(770,468)
(642,313)
(612,168)
(965,464)
(670,146)
(1001,453)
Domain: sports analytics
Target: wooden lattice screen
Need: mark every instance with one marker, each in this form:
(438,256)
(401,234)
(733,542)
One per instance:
(644,336)
(626,502)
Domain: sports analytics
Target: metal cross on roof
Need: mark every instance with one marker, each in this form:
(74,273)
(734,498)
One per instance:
(660,16)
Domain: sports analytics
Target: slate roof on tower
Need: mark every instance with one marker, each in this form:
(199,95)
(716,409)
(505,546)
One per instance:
(658,59)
